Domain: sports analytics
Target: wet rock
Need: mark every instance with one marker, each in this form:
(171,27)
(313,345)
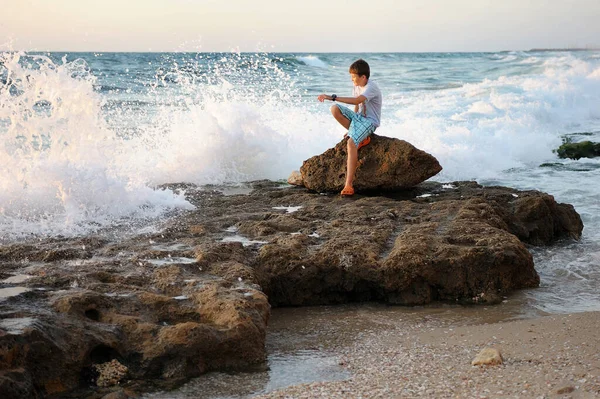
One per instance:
(39,356)
(66,254)
(16,384)
(197,230)
(110,373)
(295,178)
(584,149)
(385,164)
(456,251)
(488,357)
(456,256)
(540,219)
(172,305)
(233,272)
(266,227)
(120,394)
(210,325)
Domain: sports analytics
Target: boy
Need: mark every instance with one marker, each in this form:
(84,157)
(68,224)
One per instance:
(366,98)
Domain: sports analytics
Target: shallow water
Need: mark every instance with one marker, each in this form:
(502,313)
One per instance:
(12,291)
(16,279)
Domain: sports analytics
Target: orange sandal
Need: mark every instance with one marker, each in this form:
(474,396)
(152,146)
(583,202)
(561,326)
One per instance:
(347,192)
(364,143)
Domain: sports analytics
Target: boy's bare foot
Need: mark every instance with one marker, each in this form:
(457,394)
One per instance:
(364,143)
(347,192)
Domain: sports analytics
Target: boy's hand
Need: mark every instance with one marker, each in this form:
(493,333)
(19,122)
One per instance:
(322,97)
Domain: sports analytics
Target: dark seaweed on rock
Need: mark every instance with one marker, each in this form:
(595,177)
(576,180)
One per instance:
(584,149)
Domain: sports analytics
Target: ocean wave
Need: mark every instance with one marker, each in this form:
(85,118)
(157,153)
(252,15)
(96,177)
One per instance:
(85,161)
(64,171)
(482,129)
(530,60)
(109,88)
(312,60)
(82,158)
(509,58)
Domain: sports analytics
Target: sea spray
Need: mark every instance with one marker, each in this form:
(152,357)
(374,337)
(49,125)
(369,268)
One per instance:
(58,159)
(227,118)
(88,137)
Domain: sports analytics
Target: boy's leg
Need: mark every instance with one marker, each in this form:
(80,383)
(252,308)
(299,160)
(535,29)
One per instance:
(359,131)
(339,116)
(351,166)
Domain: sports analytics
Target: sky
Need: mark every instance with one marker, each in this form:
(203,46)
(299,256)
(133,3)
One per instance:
(298,26)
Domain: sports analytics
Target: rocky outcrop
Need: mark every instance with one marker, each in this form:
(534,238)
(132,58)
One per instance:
(161,322)
(384,164)
(416,252)
(584,149)
(153,310)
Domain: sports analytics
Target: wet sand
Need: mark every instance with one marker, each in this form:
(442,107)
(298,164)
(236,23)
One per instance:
(375,351)
(550,356)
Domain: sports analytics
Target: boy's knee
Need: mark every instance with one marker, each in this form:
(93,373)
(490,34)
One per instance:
(351,143)
(335,109)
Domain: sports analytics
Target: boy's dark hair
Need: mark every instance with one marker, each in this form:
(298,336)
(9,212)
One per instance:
(360,67)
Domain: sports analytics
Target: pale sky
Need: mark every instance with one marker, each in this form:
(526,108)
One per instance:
(298,26)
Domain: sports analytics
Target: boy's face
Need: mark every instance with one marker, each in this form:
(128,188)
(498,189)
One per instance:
(359,80)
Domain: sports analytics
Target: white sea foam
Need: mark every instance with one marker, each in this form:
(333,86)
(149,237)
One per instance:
(63,170)
(288,209)
(234,141)
(312,60)
(66,171)
(530,60)
(482,129)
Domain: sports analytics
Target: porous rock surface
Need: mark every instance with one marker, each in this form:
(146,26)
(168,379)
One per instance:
(110,373)
(196,296)
(385,164)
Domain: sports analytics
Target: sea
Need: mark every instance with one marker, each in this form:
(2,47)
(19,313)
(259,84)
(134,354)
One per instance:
(88,140)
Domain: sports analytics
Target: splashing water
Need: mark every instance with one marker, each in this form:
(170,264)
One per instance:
(312,60)
(84,151)
(59,161)
(86,142)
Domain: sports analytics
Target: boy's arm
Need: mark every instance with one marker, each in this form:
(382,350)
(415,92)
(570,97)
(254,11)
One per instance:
(346,100)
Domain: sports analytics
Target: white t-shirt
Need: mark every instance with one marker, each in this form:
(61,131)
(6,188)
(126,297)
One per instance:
(372,103)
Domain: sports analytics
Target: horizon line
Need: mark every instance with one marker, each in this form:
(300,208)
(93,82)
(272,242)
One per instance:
(550,49)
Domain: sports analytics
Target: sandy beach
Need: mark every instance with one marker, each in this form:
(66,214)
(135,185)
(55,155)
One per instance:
(546,357)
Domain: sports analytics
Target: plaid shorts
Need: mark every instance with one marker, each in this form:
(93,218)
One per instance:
(360,126)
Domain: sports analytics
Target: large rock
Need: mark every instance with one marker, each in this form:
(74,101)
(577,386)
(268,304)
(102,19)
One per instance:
(162,322)
(171,305)
(458,245)
(401,253)
(385,164)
